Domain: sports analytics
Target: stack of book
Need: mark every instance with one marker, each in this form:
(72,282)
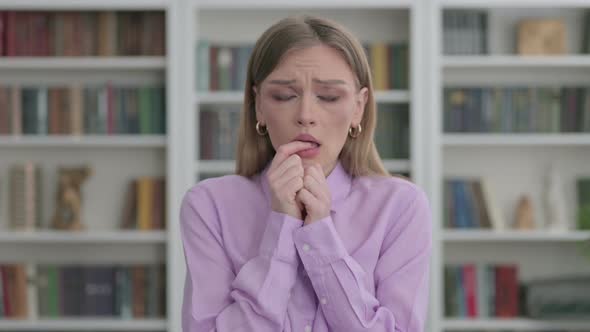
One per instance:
(219,131)
(558,298)
(78,110)
(145,204)
(478,291)
(14,303)
(25,196)
(221,67)
(70,33)
(136,291)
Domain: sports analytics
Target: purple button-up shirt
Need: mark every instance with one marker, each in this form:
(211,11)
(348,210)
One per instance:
(363,268)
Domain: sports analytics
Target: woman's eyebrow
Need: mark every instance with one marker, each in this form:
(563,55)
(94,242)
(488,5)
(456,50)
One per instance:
(316,80)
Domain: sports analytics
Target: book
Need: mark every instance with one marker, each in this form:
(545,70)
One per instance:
(583,193)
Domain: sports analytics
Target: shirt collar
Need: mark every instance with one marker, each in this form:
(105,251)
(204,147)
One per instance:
(339,182)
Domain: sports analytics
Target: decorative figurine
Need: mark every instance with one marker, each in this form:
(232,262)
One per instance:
(68,208)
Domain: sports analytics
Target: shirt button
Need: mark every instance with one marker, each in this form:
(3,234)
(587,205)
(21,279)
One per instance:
(323,300)
(306,248)
(307,328)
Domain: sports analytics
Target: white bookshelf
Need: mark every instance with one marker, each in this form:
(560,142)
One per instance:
(86,63)
(531,237)
(85,237)
(86,324)
(515,163)
(515,325)
(89,141)
(115,159)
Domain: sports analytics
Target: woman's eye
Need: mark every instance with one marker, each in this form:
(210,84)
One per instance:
(329,98)
(283,97)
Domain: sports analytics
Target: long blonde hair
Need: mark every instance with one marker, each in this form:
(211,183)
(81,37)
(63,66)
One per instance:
(359,156)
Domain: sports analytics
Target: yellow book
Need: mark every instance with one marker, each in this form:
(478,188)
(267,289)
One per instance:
(380,68)
(145,188)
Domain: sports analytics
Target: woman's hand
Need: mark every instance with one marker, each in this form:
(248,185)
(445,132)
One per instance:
(315,194)
(285,178)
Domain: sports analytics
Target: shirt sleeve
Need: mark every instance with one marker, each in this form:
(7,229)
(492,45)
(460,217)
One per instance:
(217,298)
(401,273)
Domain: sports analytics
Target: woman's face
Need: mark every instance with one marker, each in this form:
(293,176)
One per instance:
(311,91)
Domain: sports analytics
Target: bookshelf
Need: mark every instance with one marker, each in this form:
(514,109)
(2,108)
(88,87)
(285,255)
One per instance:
(514,162)
(114,158)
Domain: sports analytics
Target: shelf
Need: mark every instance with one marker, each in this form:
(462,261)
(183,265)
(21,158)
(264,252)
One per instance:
(237,97)
(512,4)
(517,139)
(84,324)
(64,237)
(305,4)
(510,61)
(121,141)
(479,236)
(516,324)
(84,63)
(228,166)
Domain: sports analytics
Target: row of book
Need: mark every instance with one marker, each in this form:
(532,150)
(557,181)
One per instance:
(392,134)
(465,32)
(145,204)
(221,67)
(79,110)
(516,109)
(218,134)
(390,65)
(72,33)
(481,290)
(468,203)
(224,67)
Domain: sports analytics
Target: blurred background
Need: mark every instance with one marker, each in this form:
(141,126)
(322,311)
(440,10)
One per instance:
(110,110)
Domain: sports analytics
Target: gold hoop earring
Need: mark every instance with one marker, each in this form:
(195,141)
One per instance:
(262,132)
(355,132)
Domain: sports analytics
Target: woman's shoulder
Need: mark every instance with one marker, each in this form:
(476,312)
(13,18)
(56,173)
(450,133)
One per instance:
(394,186)
(225,187)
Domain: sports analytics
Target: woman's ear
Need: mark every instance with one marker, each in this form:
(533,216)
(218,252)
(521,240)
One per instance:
(360,103)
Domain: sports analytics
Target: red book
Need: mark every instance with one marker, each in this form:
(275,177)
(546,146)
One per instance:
(470,285)
(214,77)
(110,109)
(2,32)
(506,291)
(6,290)
(10,34)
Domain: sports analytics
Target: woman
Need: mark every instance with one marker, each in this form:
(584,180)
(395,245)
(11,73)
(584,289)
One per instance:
(312,234)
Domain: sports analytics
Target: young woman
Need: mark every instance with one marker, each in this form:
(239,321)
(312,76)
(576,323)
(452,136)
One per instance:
(311,234)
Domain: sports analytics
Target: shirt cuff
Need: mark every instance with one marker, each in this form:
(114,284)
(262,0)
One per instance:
(277,241)
(319,244)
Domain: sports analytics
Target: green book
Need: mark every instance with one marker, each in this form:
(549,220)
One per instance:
(145,111)
(584,203)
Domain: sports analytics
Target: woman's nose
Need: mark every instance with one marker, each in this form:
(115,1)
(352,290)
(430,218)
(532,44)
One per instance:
(306,114)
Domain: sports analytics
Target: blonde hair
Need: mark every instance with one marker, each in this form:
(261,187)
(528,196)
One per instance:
(359,156)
